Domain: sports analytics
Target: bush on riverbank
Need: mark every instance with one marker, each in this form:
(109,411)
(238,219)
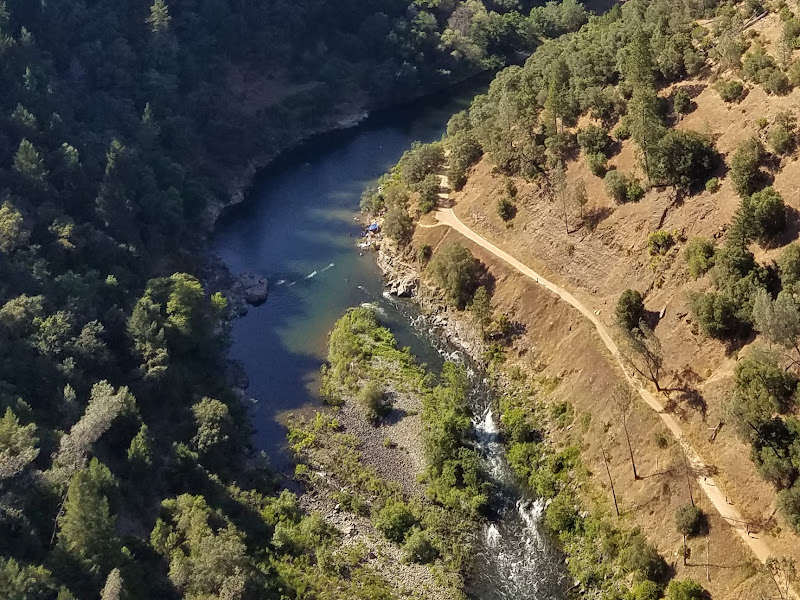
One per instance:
(602,554)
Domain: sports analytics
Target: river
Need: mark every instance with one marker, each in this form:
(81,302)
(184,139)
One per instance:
(297,229)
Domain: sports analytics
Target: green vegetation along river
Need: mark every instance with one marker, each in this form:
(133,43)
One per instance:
(298,230)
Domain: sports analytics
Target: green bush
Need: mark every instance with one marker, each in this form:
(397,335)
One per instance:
(428,190)
(633,190)
(616,186)
(684,158)
(789,503)
(789,266)
(419,548)
(506,209)
(681,102)
(622,131)
(781,137)
(690,520)
(465,151)
(684,589)
(716,314)
(769,214)
(777,83)
(646,590)
(395,520)
(659,242)
(594,139)
(744,165)
(699,256)
(793,73)
(371,400)
(597,163)
(420,161)
(398,225)
(713,185)
(729,91)
(455,270)
(561,516)
(641,559)
(630,310)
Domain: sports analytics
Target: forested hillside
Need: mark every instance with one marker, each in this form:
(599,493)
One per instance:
(124,458)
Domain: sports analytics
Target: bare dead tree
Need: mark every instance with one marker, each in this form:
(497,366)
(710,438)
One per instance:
(783,572)
(688,471)
(641,350)
(623,399)
(610,480)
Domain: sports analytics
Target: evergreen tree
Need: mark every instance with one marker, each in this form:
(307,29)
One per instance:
(159,18)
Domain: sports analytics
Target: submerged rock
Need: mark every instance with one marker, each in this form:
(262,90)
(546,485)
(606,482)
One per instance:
(251,288)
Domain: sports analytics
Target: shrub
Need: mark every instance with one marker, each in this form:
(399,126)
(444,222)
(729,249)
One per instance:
(781,135)
(789,503)
(506,209)
(424,253)
(683,158)
(623,130)
(397,224)
(420,161)
(729,91)
(699,256)
(630,310)
(744,166)
(659,242)
(789,265)
(640,558)
(419,548)
(428,193)
(791,30)
(594,139)
(757,65)
(395,520)
(372,201)
(455,270)
(769,214)
(793,73)
(371,400)
(716,314)
(465,151)
(561,516)
(511,187)
(633,190)
(777,83)
(690,520)
(597,163)
(646,590)
(713,185)
(681,102)
(616,186)
(684,589)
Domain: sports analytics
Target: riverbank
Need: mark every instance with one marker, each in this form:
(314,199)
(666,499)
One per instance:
(381,466)
(558,358)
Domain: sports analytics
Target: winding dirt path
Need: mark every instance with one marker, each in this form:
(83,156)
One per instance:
(758,545)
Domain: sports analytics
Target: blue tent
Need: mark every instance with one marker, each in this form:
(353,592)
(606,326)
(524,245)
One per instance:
(373,227)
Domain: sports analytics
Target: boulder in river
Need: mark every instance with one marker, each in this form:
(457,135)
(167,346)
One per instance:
(251,288)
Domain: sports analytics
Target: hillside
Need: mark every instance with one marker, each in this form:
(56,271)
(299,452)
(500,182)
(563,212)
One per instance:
(648,94)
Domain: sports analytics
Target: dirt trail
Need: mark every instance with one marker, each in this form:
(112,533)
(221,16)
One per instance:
(759,546)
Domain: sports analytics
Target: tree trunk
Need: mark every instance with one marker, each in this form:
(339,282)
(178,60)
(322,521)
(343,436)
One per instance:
(610,480)
(630,449)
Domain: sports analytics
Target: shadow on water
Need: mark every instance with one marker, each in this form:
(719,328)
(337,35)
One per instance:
(297,229)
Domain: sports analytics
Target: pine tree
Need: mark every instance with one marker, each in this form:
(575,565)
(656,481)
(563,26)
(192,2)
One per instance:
(557,98)
(159,17)
(86,529)
(29,164)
